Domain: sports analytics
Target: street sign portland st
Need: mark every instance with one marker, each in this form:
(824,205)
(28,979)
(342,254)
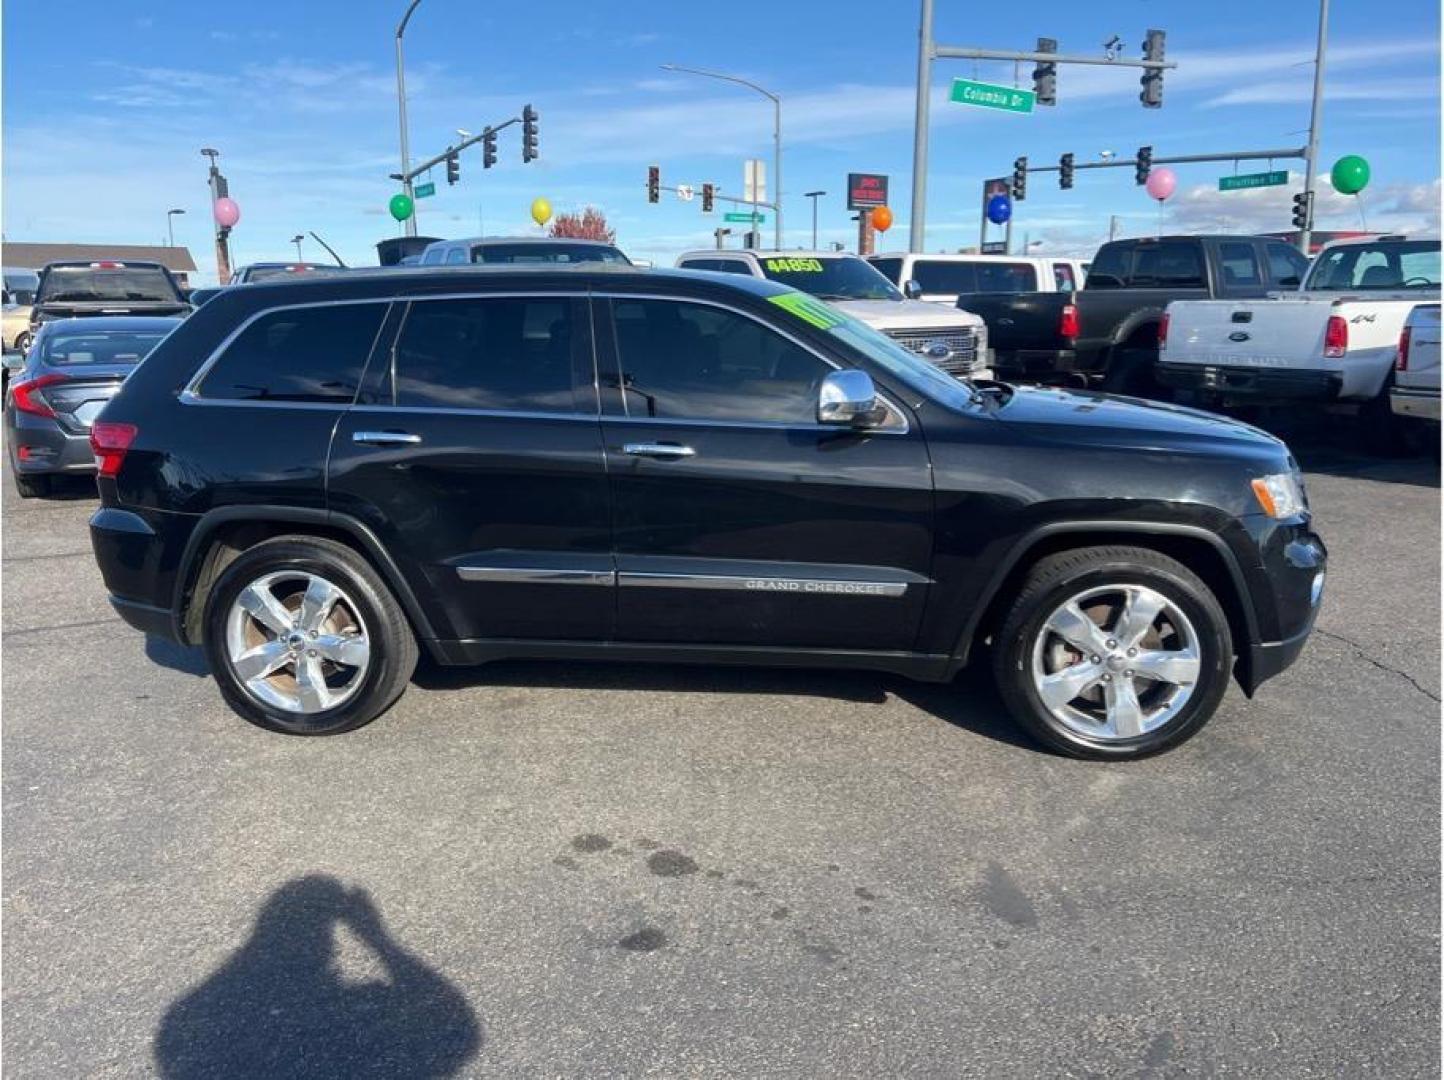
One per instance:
(1253,180)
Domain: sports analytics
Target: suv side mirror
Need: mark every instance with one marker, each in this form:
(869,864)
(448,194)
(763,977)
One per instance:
(848,397)
(911,289)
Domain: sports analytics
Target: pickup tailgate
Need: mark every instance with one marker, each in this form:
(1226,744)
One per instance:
(1020,322)
(1282,333)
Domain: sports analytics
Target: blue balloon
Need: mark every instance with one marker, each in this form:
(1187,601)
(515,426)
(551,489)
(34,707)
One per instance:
(1000,209)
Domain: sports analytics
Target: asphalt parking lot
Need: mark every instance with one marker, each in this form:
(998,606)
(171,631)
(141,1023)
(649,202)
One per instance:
(557,869)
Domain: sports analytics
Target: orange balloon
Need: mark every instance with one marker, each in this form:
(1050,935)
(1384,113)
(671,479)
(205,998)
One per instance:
(882,219)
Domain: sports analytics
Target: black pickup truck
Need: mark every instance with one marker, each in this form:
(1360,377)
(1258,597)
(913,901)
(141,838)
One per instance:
(1108,331)
(73,290)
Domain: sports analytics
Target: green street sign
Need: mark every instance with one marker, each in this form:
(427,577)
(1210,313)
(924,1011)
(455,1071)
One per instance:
(1253,180)
(425,191)
(992,96)
(737,216)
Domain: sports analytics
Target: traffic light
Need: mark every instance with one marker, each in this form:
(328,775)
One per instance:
(453,167)
(1065,171)
(1020,179)
(654,183)
(1045,75)
(1303,205)
(528,134)
(488,148)
(1143,164)
(706,198)
(1152,78)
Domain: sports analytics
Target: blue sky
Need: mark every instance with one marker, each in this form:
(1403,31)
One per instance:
(106,106)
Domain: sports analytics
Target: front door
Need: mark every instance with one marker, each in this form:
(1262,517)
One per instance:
(475,455)
(737,518)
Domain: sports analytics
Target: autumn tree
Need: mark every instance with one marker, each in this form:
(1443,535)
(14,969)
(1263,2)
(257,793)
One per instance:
(590,224)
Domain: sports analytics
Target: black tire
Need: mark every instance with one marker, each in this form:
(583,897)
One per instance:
(30,485)
(1057,578)
(1380,431)
(1132,371)
(393,645)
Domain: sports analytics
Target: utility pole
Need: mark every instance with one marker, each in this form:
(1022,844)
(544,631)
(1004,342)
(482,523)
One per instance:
(1112,226)
(401,109)
(929,50)
(814,196)
(219,190)
(1315,113)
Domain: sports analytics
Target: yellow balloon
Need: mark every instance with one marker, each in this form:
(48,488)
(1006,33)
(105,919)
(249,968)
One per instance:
(541,210)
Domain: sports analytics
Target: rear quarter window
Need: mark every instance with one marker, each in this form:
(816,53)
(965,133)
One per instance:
(889,268)
(314,354)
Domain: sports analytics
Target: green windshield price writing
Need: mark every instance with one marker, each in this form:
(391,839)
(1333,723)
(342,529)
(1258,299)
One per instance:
(808,310)
(804,266)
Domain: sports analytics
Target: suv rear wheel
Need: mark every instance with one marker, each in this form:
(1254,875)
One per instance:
(305,638)
(1113,652)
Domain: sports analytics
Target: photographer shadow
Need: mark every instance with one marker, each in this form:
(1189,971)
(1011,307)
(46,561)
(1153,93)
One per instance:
(280,1008)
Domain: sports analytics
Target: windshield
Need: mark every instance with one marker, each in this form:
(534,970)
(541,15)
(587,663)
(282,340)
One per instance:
(109,347)
(930,381)
(1383,265)
(546,253)
(82,283)
(846,278)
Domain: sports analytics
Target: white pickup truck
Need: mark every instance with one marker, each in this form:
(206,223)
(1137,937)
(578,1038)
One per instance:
(1334,340)
(1414,396)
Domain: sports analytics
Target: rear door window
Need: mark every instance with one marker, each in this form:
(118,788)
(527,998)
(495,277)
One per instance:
(1000,277)
(512,354)
(433,257)
(1287,265)
(313,354)
(1110,268)
(889,268)
(937,276)
(1167,266)
(1238,266)
(456,257)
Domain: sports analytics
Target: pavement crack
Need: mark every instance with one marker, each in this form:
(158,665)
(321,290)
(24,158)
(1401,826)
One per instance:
(1363,655)
(51,555)
(57,626)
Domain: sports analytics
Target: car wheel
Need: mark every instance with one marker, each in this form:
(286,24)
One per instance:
(30,485)
(305,637)
(1380,431)
(1131,372)
(22,343)
(1113,652)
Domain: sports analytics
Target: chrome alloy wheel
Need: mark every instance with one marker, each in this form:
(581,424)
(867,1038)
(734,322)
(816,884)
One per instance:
(297,642)
(1116,662)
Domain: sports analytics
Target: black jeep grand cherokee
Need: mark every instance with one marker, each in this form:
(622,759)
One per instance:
(317,478)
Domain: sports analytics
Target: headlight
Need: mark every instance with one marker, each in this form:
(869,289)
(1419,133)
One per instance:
(1281,495)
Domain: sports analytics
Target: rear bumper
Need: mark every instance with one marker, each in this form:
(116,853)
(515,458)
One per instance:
(39,445)
(153,621)
(1024,362)
(1251,383)
(1421,404)
(138,558)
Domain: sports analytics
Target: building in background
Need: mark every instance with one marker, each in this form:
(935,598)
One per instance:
(20,256)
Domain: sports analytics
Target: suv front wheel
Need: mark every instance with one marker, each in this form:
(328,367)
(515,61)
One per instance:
(1113,652)
(305,638)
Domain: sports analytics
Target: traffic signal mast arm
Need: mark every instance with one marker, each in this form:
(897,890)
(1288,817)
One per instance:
(1182,159)
(952,52)
(719,197)
(431,163)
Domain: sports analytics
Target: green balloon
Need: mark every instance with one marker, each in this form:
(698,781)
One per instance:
(1350,175)
(401,207)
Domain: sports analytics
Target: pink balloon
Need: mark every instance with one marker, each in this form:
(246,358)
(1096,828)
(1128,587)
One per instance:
(228,213)
(1161,183)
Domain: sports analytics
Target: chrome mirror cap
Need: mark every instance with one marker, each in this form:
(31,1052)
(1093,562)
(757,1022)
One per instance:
(847,397)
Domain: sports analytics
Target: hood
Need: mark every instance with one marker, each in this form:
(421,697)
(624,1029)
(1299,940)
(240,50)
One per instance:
(906,314)
(1105,420)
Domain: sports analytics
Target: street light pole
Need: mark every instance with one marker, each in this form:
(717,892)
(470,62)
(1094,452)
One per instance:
(916,222)
(776,135)
(1312,153)
(401,108)
(170,224)
(814,196)
(297,241)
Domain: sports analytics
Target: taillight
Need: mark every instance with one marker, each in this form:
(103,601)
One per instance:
(110,441)
(1336,337)
(1163,332)
(1402,362)
(1068,322)
(28,398)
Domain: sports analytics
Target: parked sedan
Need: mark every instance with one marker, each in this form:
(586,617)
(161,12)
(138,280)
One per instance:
(73,368)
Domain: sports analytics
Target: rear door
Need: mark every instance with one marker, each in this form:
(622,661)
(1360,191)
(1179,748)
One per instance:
(474,454)
(737,518)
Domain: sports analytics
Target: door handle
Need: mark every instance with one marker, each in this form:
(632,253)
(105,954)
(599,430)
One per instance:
(385,438)
(658,449)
